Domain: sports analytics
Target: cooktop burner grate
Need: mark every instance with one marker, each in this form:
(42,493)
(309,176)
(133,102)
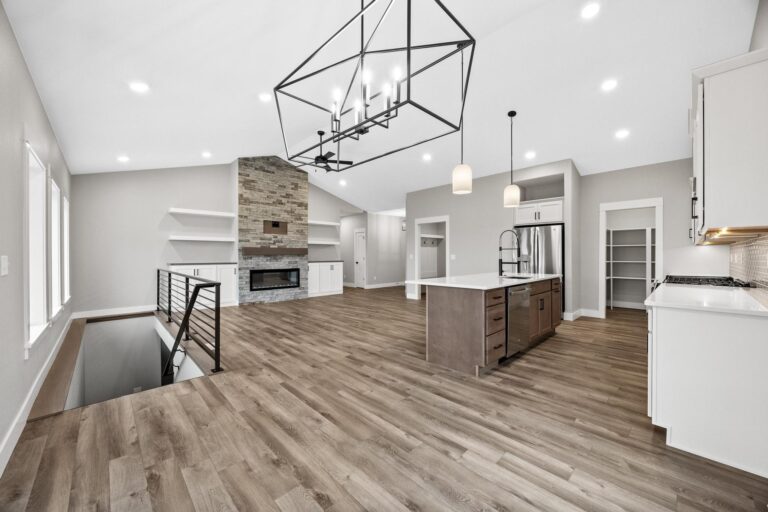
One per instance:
(706,281)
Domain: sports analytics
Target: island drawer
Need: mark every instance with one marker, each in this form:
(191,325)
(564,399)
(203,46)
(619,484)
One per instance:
(495,347)
(541,287)
(556,284)
(493,297)
(495,319)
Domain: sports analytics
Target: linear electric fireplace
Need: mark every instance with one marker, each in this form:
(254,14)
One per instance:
(270,279)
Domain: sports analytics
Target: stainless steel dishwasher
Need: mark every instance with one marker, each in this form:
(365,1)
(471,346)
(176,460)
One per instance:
(518,319)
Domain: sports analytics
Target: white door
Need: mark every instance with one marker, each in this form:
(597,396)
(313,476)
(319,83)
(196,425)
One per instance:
(313,278)
(551,211)
(360,258)
(526,214)
(227,276)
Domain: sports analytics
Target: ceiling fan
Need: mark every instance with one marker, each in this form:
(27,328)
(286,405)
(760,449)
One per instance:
(323,160)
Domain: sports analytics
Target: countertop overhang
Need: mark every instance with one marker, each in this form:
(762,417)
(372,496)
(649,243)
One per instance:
(718,299)
(489,281)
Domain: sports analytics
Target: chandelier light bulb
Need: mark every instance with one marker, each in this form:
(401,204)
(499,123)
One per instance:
(337,95)
(397,73)
(358,109)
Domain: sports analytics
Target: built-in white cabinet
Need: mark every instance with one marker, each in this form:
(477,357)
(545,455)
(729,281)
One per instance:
(730,130)
(226,274)
(326,278)
(539,212)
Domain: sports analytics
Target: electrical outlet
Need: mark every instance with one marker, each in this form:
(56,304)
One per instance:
(3,265)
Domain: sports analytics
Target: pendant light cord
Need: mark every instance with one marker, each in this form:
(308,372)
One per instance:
(462,105)
(511,115)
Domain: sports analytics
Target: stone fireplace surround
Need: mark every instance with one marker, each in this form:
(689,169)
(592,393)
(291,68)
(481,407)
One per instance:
(270,189)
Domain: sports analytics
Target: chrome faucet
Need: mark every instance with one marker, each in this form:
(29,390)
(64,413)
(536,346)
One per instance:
(516,248)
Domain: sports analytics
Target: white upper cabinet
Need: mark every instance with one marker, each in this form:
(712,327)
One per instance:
(539,212)
(730,145)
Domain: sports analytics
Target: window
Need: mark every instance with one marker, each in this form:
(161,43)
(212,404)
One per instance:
(36,264)
(65,247)
(55,248)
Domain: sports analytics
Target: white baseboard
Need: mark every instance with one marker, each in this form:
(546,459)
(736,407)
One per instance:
(323,294)
(14,433)
(592,313)
(570,317)
(384,285)
(627,304)
(413,296)
(114,311)
(349,285)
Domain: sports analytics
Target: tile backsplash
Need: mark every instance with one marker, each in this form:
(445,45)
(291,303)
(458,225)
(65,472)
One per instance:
(749,261)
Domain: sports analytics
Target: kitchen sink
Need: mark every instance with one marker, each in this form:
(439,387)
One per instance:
(517,277)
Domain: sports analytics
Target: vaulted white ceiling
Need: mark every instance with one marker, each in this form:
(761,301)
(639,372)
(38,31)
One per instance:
(207,61)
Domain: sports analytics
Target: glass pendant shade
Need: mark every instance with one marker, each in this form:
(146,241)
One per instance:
(511,196)
(462,179)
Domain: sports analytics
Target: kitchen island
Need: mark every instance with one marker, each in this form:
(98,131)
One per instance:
(476,320)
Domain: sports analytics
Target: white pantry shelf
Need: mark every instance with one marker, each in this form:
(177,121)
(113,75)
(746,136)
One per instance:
(201,213)
(318,241)
(323,223)
(201,238)
(425,235)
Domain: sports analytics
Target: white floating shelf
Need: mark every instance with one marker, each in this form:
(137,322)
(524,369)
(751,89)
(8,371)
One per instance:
(323,223)
(201,238)
(318,241)
(627,245)
(432,236)
(201,213)
(627,278)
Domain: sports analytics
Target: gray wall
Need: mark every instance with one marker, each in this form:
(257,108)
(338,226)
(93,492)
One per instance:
(385,250)
(760,32)
(668,180)
(121,224)
(22,117)
(326,207)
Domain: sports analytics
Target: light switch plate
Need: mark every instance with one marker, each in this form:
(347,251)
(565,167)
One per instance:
(3,265)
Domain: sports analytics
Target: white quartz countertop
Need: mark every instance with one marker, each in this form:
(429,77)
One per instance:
(488,281)
(720,299)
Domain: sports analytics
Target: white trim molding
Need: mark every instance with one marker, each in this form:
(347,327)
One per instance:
(13,434)
(384,285)
(114,311)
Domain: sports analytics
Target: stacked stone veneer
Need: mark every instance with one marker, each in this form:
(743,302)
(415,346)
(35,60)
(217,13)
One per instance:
(749,261)
(271,189)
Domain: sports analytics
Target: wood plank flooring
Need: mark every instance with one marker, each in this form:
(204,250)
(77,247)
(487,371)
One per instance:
(328,405)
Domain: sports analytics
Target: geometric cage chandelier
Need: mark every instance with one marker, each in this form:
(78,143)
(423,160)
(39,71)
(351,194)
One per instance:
(386,81)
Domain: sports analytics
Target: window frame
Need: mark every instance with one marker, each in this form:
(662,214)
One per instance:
(33,332)
(55,274)
(66,289)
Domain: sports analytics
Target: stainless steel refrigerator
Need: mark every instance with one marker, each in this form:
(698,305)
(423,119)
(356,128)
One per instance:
(542,250)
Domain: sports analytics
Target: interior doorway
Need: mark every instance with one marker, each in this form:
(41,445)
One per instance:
(631,252)
(360,258)
(432,252)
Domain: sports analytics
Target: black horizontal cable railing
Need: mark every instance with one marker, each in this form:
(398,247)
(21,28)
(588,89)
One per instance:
(192,303)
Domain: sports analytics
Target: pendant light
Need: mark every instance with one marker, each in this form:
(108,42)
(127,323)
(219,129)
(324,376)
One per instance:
(462,173)
(511,191)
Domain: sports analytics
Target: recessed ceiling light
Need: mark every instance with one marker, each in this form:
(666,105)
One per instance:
(590,10)
(609,84)
(622,134)
(530,155)
(206,154)
(123,159)
(265,97)
(139,87)
(343,183)
(426,157)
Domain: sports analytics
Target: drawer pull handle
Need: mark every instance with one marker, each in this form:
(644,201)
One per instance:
(498,318)
(497,347)
(498,297)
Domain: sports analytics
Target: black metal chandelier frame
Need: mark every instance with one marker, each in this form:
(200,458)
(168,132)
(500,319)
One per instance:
(301,158)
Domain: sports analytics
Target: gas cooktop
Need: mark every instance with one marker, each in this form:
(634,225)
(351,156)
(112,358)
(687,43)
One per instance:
(706,281)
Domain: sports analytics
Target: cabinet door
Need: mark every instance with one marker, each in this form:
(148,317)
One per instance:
(207,272)
(735,149)
(526,214)
(337,276)
(227,276)
(557,307)
(551,211)
(313,278)
(325,277)
(545,313)
(183,269)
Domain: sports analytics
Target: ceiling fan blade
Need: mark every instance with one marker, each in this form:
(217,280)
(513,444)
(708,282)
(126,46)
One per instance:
(341,162)
(327,168)
(328,155)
